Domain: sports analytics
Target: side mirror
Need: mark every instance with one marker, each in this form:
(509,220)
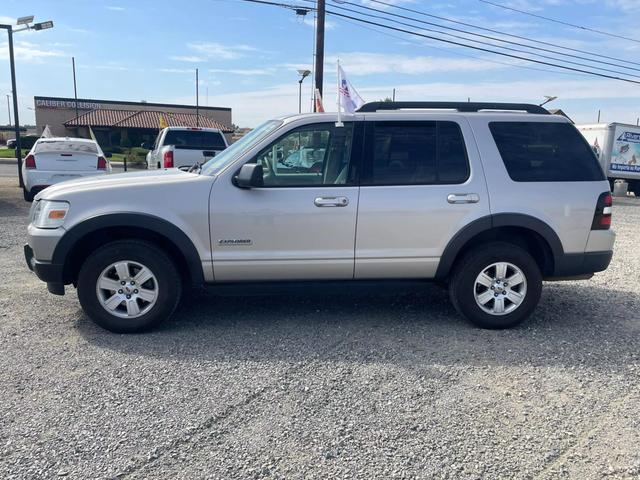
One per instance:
(250,175)
(108,155)
(145,145)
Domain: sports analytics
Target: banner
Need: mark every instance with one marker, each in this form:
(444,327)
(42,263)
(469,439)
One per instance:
(625,153)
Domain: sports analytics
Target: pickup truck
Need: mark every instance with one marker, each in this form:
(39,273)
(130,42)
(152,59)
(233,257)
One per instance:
(177,147)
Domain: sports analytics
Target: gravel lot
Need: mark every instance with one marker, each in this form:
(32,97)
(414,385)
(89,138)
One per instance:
(348,384)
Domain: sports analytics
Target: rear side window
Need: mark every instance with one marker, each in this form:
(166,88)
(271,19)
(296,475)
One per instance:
(545,152)
(65,146)
(195,140)
(414,153)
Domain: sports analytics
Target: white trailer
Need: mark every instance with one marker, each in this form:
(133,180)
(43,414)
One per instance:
(617,146)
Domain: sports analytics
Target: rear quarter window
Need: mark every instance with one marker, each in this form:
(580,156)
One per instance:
(545,152)
(195,139)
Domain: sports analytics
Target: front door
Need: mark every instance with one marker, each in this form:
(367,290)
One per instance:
(301,223)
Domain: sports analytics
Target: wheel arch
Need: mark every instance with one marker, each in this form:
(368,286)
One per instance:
(79,241)
(523,230)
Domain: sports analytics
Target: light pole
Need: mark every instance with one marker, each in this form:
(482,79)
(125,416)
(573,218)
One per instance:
(10,31)
(303,74)
(548,99)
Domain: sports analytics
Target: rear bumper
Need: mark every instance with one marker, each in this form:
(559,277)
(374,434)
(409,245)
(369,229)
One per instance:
(581,264)
(50,273)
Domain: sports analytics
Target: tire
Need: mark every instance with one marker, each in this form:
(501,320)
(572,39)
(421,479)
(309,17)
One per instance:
(467,295)
(155,301)
(27,195)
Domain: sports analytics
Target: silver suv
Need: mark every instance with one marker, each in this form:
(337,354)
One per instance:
(488,198)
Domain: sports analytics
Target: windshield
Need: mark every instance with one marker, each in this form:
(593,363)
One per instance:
(235,150)
(65,146)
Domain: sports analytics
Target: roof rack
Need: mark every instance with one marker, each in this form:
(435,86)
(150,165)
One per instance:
(459,106)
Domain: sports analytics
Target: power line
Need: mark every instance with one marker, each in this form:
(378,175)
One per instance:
(466,32)
(460,54)
(481,42)
(540,42)
(561,22)
(483,49)
(431,37)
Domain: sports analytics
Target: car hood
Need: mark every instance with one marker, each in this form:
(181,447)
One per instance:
(142,180)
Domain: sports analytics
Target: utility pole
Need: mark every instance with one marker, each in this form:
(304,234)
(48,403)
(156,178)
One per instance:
(75,89)
(197,101)
(8,109)
(319,70)
(16,117)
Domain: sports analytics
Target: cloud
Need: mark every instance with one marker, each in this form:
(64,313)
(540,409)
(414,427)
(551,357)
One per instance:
(214,50)
(187,58)
(114,8)
(245,71)
(8,20)
(29,52)
(175,70)
(310,21)
(579,98)
(365,63)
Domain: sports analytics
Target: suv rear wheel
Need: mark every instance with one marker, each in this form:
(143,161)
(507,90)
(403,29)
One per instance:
(128,286)
(496,285)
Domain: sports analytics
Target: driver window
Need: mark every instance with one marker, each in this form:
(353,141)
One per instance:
(315,154)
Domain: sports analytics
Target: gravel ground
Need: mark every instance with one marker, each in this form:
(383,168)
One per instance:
(350,384)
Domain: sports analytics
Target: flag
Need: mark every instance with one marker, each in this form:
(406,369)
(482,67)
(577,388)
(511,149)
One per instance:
(350,100)
(92,135)
(163,122)
(46,133)
(319,106)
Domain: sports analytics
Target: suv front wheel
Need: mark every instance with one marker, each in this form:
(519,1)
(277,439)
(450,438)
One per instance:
(128,286)
(496,285)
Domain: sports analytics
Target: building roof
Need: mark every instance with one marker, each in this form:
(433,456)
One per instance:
(72,101)
(149,119)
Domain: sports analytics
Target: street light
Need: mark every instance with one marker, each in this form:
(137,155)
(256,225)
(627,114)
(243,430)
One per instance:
(303,74)
(548,99)
(10,31)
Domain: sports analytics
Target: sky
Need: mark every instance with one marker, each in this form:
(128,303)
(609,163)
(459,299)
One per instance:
(248,55)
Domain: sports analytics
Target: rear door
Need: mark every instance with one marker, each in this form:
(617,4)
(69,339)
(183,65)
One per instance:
(422,182)
(66,155)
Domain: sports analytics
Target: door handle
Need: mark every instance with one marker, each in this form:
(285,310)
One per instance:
(463,198)
(331,201)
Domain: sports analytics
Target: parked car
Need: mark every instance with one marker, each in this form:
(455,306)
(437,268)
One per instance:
(177,147)
(26,141)
(54,160)
(489,198)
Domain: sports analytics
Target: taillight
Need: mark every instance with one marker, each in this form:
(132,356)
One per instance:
(602,217)
(30,162)
(167,159)
(102,163)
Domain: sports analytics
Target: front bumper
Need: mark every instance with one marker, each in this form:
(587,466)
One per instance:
(48,272)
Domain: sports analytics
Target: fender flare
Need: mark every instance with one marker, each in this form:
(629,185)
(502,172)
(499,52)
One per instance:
(152,223)
(483,224)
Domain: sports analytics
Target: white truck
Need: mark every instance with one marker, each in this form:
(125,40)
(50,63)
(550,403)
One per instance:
(617,146)
(177,147)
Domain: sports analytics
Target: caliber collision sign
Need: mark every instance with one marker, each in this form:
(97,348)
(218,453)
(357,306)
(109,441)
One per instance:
(66,104)
(625,155)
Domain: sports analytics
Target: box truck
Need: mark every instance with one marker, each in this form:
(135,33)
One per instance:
(617,146)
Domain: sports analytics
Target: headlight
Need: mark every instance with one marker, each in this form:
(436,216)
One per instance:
(49,214)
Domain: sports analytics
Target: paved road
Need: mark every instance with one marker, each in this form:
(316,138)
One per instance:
(326,385)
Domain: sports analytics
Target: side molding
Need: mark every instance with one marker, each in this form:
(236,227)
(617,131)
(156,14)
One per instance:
(137,220)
